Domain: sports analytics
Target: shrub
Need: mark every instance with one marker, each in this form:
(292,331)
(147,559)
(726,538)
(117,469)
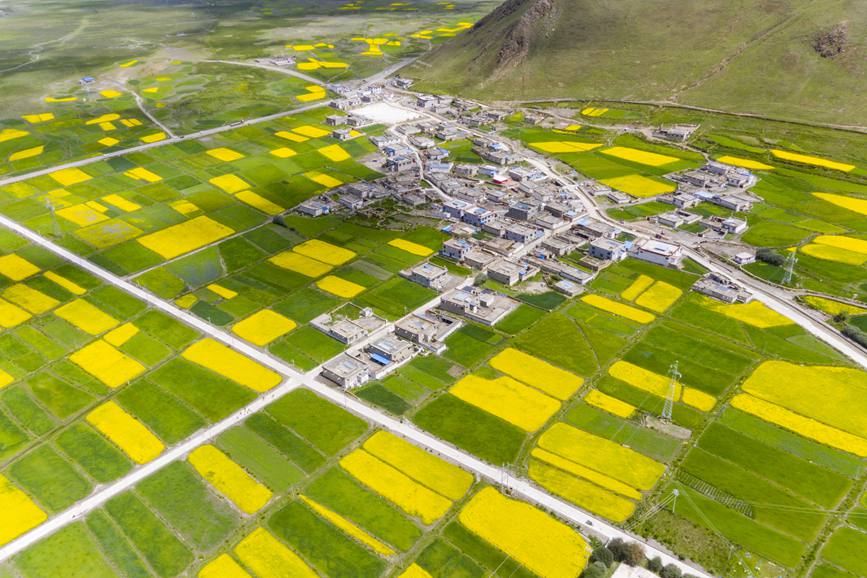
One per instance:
(671,571)
(595,570)
(770,257)
(603,555)
(655,565)
(855,335)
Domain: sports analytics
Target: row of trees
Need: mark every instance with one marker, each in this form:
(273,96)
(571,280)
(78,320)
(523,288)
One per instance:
(631,554)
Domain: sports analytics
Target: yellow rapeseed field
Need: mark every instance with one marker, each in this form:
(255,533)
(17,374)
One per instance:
(300,264)
(540,374)
(11,315)
(811,160)
(843,242)
(263,327)
(121,335)
(640,156)
(528,535)
(291,136)
(828,394)
(86,316)
(560,147)
(257,201)
(509,399)
(311,131)
(659,297)
(155,137)
(325,252)
(610,404)
(38,117)
(349,527)
(223,292)
(754,313)
(82,215)
(283,153)
(799,424)
(106,363)
(411,247)
(442,477)
(108,141)
(415,571)
(852,203)
(230,183)
(185,237)
(412,497)
(223,566)
(598,478)
(698,399)
(323,179)
(5,379)
(225,154)
(602,455)
(142,174)
(267,557)
(231,364)
(593,111)
(340,287)
(16,268)
(230,479)
(30,299)
(836,254)
(637,288)
(121,203)
(20,513)
(69,177)
(745,163)
(334,153)
(126,432)
(638,186)
(581,492)
(11,133)
(616,308)
(833,307)
(184,206)
(643,379)
(26,153)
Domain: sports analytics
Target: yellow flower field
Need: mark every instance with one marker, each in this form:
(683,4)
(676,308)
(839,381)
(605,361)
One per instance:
(325,252)
(593,111)
(852,203)
(581,492)
(314,92)
(283,153)
(5,379)
(184,206)
(142,174)
(125,432)
(836,254)
(811,160)
(311,131)
(229,479)
(17,268)
(291,136)
(831,395)
(610,404)
(267,557)
(349,528)
(598,478)
(263,327)
(799,424)
(86,316)
(754,313)
(38,117)
(223,566)
(508,399)
(223,292)
(698,399)
(155,137)
(659,297)
(231,364)
(637,288)
(30,299)
(833,307)
(640,156)
(616,308)
(11,133)
(225,154)
(415,571)
(643,379)
(259,202)
(437,474)
(602,455)
(26,153)
(20,513)
(411,247)
(106,363)
(335,153)
(300,264)
(745,163)
(323,179)
(108,117)
(121,203)
(121,335)
(528,535)
(11,315)
(108,141)
(638,186)
(340,287)
(560,147)
(230,183)
(540,374)
(185,237)
(395,486)
(82,215)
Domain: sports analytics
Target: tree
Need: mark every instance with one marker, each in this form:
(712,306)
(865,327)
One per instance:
(855,335)
(655,565)
(671,571)
(770,257)
(603,555)
(627,552)
(595,570)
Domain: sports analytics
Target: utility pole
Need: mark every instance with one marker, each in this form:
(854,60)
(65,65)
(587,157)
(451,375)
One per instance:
(674,377)
(791,261)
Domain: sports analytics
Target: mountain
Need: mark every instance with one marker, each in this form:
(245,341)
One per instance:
(793,59)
